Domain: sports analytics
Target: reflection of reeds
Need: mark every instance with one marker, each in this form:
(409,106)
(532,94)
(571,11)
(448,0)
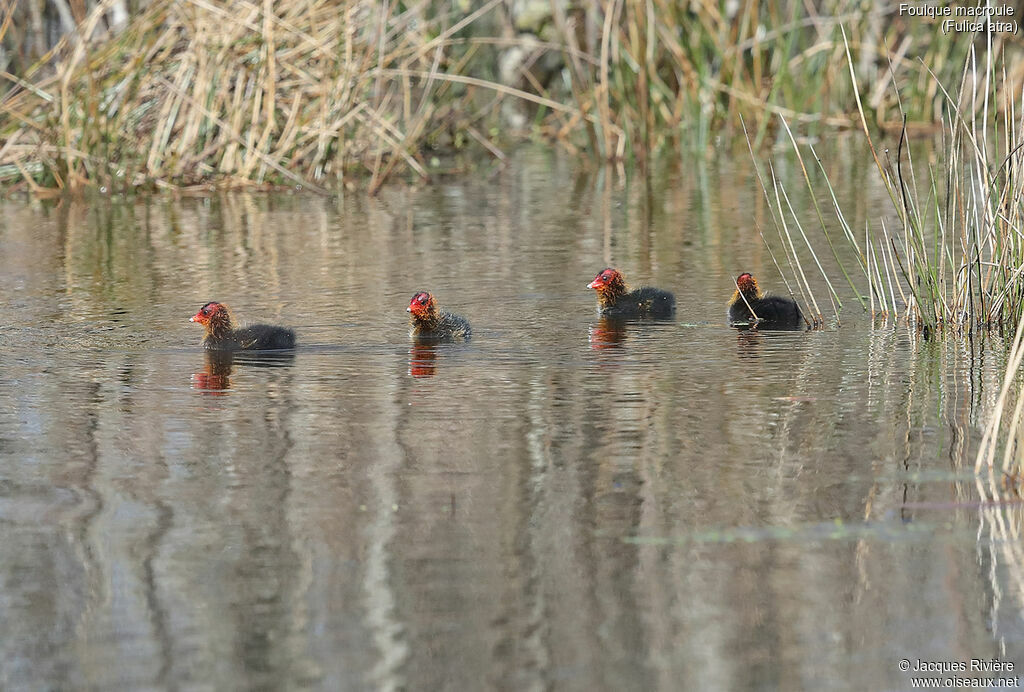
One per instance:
(1010,427)
(958,245)
(949,253)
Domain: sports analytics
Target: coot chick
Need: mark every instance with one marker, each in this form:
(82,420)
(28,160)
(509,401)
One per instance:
(430,322)
(614,298)
(222,334)
(773,311)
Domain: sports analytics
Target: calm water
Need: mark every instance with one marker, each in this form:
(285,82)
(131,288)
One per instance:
(561,503)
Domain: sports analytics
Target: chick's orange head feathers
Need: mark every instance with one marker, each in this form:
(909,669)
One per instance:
(206,312)
(747,283)
(605,277)
(421,303)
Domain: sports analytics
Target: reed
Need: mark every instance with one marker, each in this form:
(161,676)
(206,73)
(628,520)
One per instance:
(948,254)
(671,72)
(313,93)
(245,94)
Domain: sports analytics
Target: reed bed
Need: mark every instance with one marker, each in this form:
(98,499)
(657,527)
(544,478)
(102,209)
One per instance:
(244,93)
(313,92)
(948,254)
(668,72)
(957,242)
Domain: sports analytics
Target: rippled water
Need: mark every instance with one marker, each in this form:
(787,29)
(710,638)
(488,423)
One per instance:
(559,503)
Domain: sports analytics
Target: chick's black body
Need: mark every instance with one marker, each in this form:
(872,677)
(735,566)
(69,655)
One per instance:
(254,337)
(446,326)
(642,302)
(773,312)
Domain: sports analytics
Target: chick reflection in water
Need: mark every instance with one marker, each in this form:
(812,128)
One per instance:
(748,343)
(216,377)
(423,358)
(608,333)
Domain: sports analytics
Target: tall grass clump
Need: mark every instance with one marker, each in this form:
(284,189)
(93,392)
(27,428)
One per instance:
(246,93)
(957,241)
(251,92)
(948,254)
(667,72)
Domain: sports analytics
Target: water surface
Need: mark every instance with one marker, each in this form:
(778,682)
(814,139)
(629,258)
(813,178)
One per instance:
(562,502)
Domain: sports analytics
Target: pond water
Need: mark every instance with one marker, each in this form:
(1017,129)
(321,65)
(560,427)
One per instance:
(559,503)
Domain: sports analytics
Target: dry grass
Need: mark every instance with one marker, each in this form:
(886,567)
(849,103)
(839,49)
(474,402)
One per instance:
(949,253)
(313,92)
(240,93)
(668,69)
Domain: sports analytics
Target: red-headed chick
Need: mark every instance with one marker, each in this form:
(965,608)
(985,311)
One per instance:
(223,334)
(775,312)
(614,298)
(430,322)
